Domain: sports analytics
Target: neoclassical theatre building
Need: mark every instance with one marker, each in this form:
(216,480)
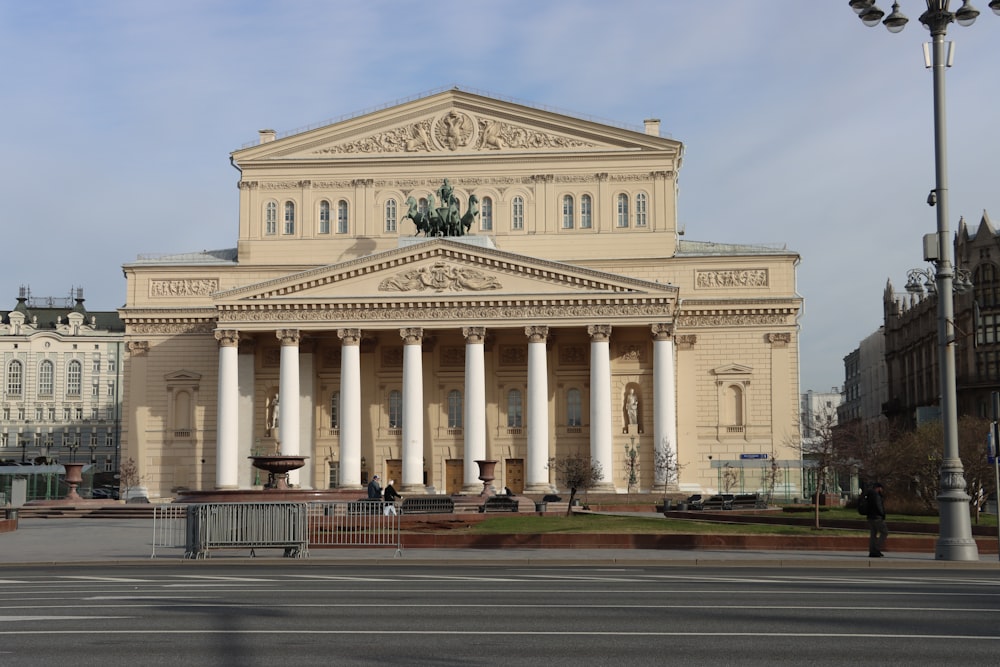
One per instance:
(458,278)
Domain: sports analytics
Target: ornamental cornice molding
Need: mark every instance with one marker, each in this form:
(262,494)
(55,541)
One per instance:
(735,318)
(171,328)
(415,185)
(499,311)
(731,278)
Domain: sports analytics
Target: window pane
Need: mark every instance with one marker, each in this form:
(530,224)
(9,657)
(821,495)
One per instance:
(514,409)
(335,410)
(623,210)
(45,377)
(74,376)
(640,210)
(567,212)
(573,408)
(486,214)
(454,409)
(324,217)
(289,218)
(390,215)
(517,213)
(585,212)
(342,217)
(271,219)
(395,409)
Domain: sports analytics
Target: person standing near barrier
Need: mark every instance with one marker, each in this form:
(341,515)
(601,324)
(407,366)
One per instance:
(876,521)
(390,496)
(374,489)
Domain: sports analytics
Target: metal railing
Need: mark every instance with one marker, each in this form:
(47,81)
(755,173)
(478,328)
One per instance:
(200,528)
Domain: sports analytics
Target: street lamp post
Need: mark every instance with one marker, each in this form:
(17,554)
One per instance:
(955,532)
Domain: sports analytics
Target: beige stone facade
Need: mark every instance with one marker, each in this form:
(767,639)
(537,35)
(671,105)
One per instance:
(333,332)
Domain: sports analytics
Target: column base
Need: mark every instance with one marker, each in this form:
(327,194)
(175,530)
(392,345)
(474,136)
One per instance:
(539,488)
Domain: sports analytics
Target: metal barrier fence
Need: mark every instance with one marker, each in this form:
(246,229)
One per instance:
(294,526)
(169,526)
(355,524)
(247,525)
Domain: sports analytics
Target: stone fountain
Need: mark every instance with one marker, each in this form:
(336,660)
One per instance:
(277,467)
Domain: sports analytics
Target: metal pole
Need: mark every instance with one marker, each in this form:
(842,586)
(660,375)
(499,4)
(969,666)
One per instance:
(995,437)
(955,540)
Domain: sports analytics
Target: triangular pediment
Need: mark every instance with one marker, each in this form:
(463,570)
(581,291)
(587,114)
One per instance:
(182,376)
(732,369)
(444,269)
(454,122)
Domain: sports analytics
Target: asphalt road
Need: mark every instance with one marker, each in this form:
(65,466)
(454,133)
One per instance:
(325,613)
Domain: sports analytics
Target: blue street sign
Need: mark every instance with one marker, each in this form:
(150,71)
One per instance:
(753,456)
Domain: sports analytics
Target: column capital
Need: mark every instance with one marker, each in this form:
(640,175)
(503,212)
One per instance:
(779,339)
(227,337)
(288,336)
(474,334)
(349,336)
(411,335)
(138,347)
(599,333)
(662,331)
(536,334)
(687,341)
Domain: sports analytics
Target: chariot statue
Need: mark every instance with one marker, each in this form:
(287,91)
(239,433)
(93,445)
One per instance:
(442,216)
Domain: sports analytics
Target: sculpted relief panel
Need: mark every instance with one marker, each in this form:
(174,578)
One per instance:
(731,278)
(439,277)
(456,130)
(183,287)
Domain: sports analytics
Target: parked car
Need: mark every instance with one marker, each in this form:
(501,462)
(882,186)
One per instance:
(104,492)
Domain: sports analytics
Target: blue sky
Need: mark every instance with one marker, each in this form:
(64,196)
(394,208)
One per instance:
(801,125)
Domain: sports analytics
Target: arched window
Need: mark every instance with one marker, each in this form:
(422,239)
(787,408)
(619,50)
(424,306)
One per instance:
(271,218)
(574,408)
(454,409)
(486,214)
(335,410)
(517,213)
(324,217)
(342,217)
(422,205)
(46,373)
(74,378)
(515,409)
(390,215)
(567,213)
(395,409)
(15,378)
(623,210)
(640,209)
(586,212)
(289,218)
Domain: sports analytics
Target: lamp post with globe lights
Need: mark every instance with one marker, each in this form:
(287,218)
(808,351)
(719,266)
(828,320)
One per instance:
(955,532)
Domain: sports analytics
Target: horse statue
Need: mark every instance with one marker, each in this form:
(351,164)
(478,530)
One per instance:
(419,218)
(470,214)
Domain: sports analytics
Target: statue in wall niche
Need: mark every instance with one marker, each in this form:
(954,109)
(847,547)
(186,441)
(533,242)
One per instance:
(271,416)
(632,407)
(445,218)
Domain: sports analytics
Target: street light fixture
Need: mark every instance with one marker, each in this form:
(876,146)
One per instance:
(955,539)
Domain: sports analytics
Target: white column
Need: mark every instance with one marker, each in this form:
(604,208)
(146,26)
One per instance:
(600,403)
(227,422)
(288,394)
(350,408)
(307,417)
(247,430)
(536,472)
(475,407)
(664,405)
(413,411)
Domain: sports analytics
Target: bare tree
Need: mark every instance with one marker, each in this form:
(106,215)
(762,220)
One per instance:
(129,477)
(819,446)
(665,467)
(576,472)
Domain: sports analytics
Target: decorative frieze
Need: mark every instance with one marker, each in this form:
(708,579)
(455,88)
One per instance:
(152,328)
(513,355)
(138,347)
(453,131)
(440,277)
(781,339)
(452,356)
(731,278)
(631,352)
(183,287)
(731,319)
(572,355)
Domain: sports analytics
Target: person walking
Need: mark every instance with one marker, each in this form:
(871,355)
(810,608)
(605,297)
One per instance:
(374,489)
(390,496)
(878,533)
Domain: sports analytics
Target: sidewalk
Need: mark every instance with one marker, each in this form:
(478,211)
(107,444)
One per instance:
(104,541)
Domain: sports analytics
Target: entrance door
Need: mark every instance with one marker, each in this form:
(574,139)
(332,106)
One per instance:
(393,470)
(454,470)
(514,475)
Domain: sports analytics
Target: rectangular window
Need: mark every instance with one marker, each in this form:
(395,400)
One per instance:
(95,389)
(111,390)
(79,413)
(517,213)
(38,413)
(390,215)
(94,413)
(97,363)
(586,212)
(324,217)
(640,209)
(66,414)
(342,217)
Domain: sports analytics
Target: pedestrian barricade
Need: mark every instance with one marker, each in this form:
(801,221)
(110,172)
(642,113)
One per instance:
(200,528)
(248,526)
(169,527)
(367,523)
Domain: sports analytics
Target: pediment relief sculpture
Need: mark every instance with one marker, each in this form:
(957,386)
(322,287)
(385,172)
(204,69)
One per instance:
(440,277)
(456,130)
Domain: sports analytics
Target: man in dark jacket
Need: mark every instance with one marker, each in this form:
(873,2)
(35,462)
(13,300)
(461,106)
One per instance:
(374,489)
(876,522)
